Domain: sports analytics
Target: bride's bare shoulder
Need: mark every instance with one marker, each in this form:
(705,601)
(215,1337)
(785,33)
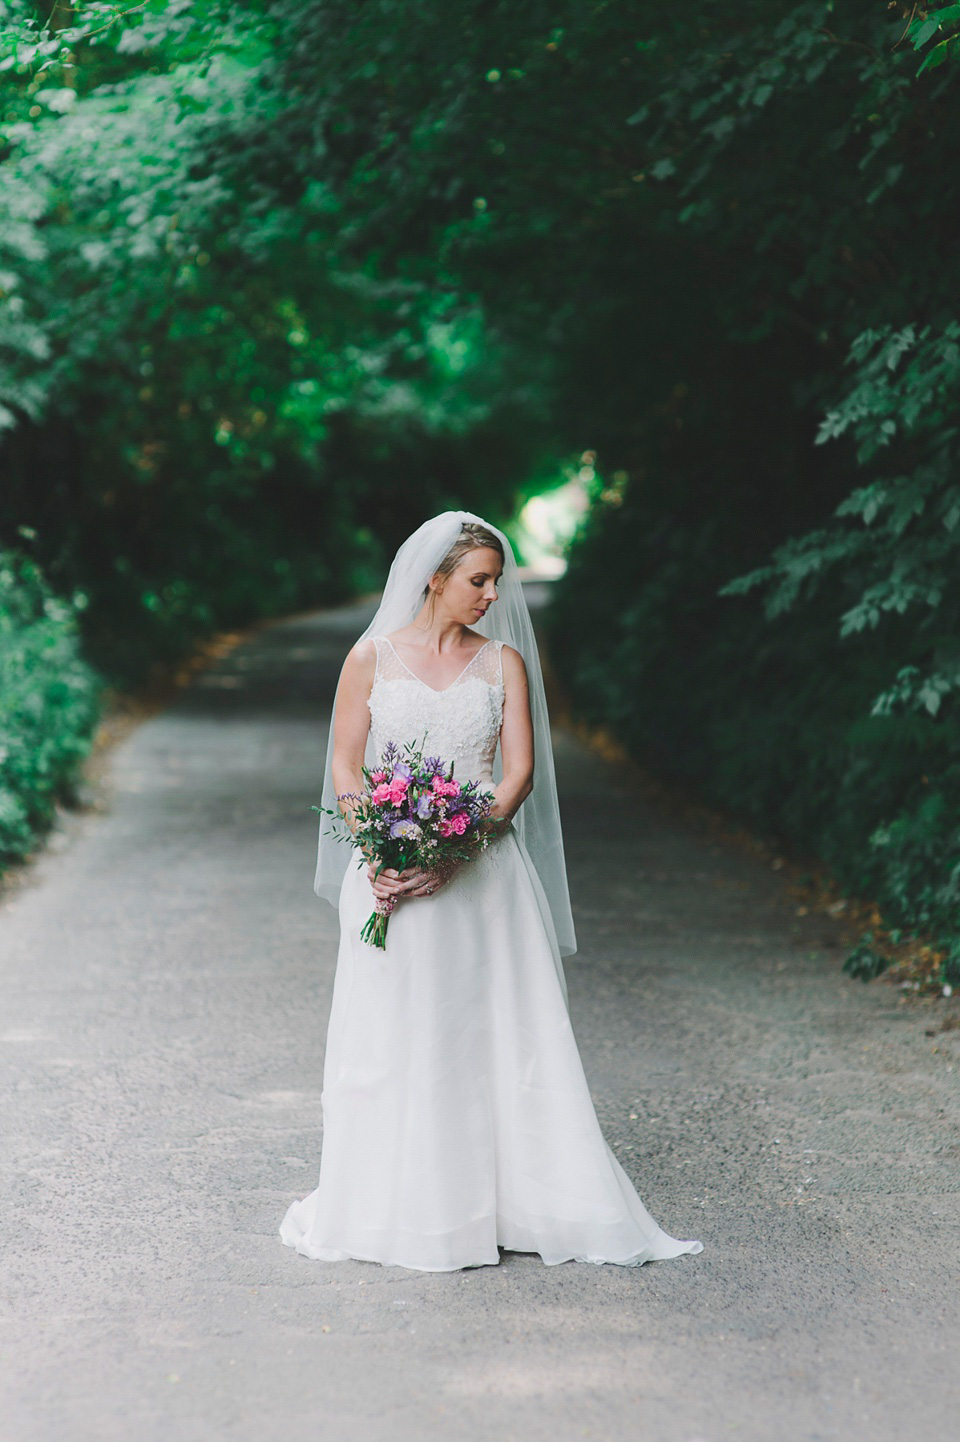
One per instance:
(361,662)
(514,666)
(363,650)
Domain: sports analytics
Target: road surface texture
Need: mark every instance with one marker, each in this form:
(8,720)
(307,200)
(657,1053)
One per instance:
(165,981)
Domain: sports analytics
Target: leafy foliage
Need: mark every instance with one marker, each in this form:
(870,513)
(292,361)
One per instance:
(48,704)
(207,405)
(834,723)
(865,962)
(939,26)
(279,280)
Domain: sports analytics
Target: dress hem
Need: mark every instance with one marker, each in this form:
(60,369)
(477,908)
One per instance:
(669,1249)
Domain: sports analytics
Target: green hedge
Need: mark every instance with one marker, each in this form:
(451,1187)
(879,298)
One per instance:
(770,718)
(48,704)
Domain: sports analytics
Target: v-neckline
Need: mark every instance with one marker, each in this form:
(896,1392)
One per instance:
(444,689)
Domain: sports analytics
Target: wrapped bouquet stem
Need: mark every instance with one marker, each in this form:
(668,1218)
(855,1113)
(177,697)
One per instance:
(374,929)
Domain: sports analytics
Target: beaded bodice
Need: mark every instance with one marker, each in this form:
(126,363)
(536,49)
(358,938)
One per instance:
(461,723)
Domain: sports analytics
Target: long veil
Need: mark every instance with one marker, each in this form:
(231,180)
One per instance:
(538,820)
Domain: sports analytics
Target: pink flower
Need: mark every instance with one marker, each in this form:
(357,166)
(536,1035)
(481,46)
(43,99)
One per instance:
(454,825)
(377,776)
(445,788)
(392,791)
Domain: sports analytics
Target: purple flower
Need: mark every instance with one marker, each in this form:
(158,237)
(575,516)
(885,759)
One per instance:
(409,830)
(425,807)
(402,771)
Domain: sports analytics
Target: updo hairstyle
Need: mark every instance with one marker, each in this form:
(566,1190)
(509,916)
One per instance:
(471,538)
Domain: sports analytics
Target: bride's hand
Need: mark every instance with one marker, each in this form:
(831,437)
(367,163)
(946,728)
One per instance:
(396,884)
(388,884)
(425,883)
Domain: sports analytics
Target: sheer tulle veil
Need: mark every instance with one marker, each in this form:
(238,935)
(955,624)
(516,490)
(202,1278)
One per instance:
(538,820)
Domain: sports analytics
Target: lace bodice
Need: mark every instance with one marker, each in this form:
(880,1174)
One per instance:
(461,723)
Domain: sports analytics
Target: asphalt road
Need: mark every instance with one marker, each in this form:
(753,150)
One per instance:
(165,976)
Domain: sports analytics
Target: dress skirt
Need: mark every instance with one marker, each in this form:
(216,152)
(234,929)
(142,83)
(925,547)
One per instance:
(456,1115)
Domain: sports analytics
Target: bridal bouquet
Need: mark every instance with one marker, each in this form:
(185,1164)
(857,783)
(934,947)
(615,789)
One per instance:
(412,812)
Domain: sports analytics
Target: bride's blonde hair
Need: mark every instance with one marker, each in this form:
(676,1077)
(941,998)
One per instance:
(471,538)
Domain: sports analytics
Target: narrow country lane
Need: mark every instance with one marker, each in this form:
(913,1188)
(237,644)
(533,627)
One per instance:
(165,976)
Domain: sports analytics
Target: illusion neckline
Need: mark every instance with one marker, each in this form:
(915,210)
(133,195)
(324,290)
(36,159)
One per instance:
(441,691)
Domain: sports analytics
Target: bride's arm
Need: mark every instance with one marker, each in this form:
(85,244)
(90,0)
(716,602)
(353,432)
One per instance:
(350,730)
(516,738)
(352,724)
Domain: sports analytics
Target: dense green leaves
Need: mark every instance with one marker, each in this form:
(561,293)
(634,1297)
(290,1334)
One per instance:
(936,25)
(47,704)
(207,401)
(798,145)
(278,280)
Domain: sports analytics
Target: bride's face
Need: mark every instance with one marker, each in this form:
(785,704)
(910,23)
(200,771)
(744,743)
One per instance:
(471,588)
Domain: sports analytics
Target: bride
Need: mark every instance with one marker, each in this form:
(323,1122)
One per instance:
(456,1115)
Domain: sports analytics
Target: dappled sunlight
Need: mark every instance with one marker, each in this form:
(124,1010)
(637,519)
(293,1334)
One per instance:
(546,523)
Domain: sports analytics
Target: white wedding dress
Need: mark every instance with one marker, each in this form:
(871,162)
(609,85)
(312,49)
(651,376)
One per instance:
(456,1114)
